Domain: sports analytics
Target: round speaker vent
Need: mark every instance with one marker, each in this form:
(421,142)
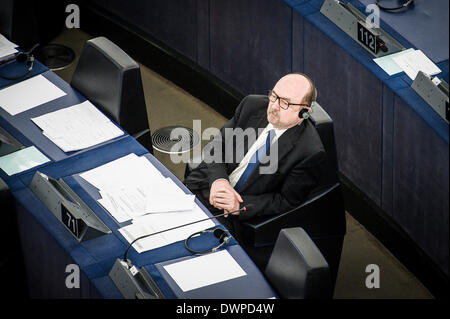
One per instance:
(55,56)
(175,139)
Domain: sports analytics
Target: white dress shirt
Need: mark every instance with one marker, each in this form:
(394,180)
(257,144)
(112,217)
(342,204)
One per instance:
(260,141)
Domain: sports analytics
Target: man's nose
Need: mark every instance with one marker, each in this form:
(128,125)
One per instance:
(276,105)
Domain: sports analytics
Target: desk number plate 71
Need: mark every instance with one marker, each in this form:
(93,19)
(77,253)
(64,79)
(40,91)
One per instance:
(73,224)
(367,38)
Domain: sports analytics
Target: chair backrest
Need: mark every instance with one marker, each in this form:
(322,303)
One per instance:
(324,126)
(111,80)
(297,269)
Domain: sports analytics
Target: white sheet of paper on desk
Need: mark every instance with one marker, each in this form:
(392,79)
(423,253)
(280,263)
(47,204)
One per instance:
(160,203)
(129,169)
(205,270)
(28,94)
(5,43)
(153,223)
(22,160)
(388,64)
(7,53)
(124,203)
(77,127)
(415,61)
(7,48)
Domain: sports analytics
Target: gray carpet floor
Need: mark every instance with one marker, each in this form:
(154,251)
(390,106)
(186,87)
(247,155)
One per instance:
(169,105)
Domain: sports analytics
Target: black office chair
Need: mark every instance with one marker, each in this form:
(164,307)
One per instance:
(296,268)
(322,215)
(111,80)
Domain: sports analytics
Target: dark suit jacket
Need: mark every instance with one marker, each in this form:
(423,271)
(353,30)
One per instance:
(300,151)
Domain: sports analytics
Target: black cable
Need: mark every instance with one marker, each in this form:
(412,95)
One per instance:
(13,78)
(25,57)
(223,240)
(165,230)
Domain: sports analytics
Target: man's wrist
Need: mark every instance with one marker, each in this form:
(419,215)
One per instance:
(219,179)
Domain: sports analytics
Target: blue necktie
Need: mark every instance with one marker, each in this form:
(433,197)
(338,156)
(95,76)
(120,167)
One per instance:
(254,160)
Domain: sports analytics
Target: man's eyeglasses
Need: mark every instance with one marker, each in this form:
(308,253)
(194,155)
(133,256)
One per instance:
(284,104)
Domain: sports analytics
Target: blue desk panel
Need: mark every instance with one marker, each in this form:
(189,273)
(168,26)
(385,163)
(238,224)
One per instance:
(106,254)
(96,257)
(25,131)
(13,181)
(16,68)
(86,160)
(253,285)
(415,25)
(310,10)
(45,224)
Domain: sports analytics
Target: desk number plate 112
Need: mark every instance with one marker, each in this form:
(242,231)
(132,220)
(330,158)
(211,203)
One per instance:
(367,38)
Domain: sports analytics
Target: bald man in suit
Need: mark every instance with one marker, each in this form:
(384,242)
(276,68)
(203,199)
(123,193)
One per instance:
(277,170)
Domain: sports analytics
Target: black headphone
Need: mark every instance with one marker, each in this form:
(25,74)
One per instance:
(407,3)
(21,57)
(222,234)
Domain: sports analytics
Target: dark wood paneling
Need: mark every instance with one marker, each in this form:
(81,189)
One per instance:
(203,33)
(352,96)
(421,183)
(251,45)
(387,200)
(170,21)
(297,42)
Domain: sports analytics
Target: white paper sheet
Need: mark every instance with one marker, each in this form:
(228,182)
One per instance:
(203,271)
(129,169)
(77,127)
(7,48)
(27,94)
(388,64)
(415,61)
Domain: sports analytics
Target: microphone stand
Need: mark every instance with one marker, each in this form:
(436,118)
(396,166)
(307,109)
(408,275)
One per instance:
(138,284)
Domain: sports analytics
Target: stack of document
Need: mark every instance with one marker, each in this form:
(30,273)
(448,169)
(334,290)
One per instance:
(409,61)
(415,61)
(77,127)
(131,188)
(7,49)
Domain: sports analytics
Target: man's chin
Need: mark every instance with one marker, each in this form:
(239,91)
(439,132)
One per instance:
(272,120)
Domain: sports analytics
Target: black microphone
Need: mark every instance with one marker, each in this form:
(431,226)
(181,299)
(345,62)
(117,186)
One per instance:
(382,45)
(245,208)
(21,57)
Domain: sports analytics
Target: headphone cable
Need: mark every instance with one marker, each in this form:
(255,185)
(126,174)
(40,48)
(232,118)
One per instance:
(176,227)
